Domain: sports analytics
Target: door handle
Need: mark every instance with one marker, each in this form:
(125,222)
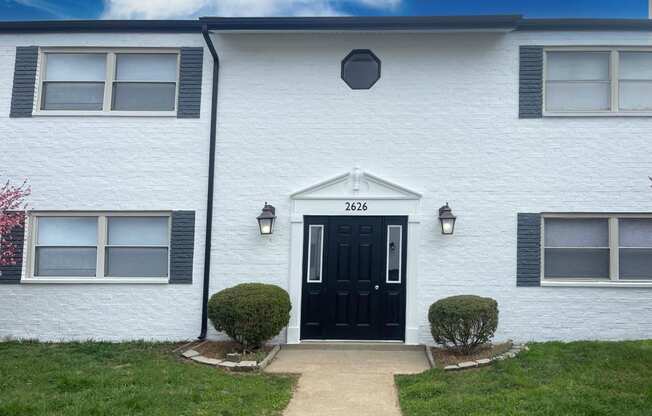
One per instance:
(376,287)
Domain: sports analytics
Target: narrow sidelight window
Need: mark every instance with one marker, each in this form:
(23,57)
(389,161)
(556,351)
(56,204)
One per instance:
(578,81)
(577,248)
(137,247)
(394,253)
(74,81)
(66,246)
(145,82)
(315,253)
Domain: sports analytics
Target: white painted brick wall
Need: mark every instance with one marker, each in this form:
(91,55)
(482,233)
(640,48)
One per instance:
(105,163)
(442,120)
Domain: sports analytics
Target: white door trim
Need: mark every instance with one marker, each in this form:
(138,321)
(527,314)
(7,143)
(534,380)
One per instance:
(328,198)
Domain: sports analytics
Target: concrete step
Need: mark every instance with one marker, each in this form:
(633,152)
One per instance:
(352,346)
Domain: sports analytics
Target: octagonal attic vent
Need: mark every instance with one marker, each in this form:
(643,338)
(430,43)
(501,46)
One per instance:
(360,69)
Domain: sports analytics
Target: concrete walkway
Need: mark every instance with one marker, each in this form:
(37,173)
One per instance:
(347,379)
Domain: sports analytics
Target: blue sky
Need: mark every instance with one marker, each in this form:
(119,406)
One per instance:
(180,9)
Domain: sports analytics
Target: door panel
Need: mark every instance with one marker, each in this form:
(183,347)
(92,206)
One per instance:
(343,260)
(354,299)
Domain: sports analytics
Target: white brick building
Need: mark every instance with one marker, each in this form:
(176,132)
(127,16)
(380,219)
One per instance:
(448,118)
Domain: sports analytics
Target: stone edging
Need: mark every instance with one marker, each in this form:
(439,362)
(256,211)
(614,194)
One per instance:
(431,359)
(513,352)
(230,365)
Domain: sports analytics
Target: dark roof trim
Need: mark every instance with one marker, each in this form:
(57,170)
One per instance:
(355,23)
(585,24)
(362,23)
(102,26)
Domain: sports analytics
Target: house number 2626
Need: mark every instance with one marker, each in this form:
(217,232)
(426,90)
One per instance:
(355,206)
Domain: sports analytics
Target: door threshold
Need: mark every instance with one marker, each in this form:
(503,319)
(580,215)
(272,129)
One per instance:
(331,344)
(352,341)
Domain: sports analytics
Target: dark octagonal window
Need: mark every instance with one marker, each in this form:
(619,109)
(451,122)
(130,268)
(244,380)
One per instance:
(360,69)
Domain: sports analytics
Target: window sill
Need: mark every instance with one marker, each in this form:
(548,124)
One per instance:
(54,113)
(596,283)
(93,281)
(598,114)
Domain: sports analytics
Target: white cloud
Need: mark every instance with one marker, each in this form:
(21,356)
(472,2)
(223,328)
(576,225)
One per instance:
(46,6)
(380,4)
(179,9)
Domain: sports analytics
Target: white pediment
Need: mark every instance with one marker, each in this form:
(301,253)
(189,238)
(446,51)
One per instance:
(356,184)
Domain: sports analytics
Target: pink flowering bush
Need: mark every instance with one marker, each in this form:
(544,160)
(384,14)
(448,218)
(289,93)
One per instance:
(12,202)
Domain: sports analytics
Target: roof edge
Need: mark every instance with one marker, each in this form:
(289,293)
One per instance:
(35,26)
(585,24)
(336,23)
(361,23)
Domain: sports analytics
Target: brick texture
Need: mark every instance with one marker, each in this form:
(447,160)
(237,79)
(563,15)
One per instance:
(442,119)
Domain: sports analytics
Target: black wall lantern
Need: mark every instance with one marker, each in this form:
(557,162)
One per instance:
(447,220)
(266,219)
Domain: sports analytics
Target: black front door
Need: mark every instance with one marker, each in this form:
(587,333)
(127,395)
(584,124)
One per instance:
(354,278)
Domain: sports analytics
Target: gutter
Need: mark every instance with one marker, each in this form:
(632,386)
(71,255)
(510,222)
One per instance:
(397,24)
(362,23)
(585,25)
(101,26)
(211,180)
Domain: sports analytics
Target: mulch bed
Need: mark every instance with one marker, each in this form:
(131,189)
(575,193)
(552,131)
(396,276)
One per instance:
(444,357)
(219,349)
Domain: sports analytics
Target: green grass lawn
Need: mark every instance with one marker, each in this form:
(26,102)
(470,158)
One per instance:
(127,379)
(579,378)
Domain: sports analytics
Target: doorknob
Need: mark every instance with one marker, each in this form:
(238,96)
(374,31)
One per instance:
(376,287)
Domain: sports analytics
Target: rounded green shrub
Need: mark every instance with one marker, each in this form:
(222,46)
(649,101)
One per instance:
(250,313)
(463,322)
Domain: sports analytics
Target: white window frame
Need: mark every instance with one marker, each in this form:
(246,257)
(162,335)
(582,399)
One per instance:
(614,253)
(102,232)
(400,256)
(108,82)
(614,78)
(321,258)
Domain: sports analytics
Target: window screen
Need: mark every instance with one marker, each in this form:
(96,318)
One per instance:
(74,81)
(576,248)
(578,81)
(137,247)
(145,82)
(66,246)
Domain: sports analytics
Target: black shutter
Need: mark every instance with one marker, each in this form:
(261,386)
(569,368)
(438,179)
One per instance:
(22,94)
(182,244)
(530,85)
(190,76)
(10,274)
(528,247)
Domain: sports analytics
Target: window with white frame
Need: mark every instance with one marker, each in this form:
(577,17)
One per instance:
(315,253)
(73,81)
(606,247)
(111,245)
(66,246)
(109,81)
(598,81)
(394,253)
